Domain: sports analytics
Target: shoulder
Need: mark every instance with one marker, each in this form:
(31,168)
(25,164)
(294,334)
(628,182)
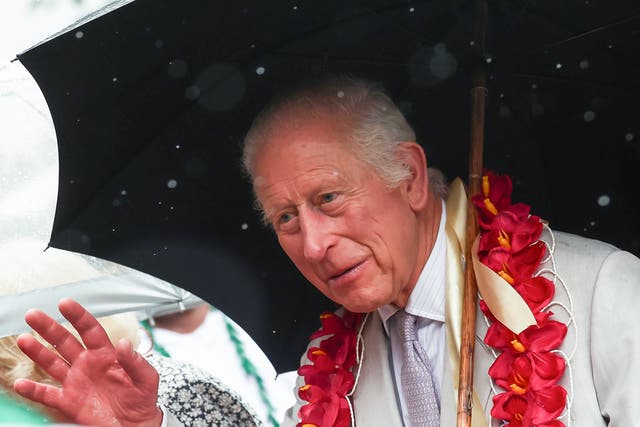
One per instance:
(195,397)
(582,259)
(572,245)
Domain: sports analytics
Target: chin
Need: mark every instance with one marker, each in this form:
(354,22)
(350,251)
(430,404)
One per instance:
(361,305)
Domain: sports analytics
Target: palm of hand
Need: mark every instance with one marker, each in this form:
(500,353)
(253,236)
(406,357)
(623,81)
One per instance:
(101,385)
(106,391)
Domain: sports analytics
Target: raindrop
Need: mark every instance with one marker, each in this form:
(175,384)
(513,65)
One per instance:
(115,79)
(123,192)
(165,248)
(489,60)
(628,137)
(604,200)
(158,44)
(244,226)
(558,65)
(178,147)
(295,7)
(159,203)
(79,34)
(443,64)
(113,229)
(504,111)
(340,94)
(502,95)
(221,87)
(592,223)
(155,254)
(610,46)
(172,183)
(116,203)
(72,181)
(273,331)
(260,71)
(192,92)
(253,46)
(430,66)
(472,43)
(537,109)
(589,116)
(584,64)
(171,208)
(534,86)
(412,9)
(195,167)
(177,68)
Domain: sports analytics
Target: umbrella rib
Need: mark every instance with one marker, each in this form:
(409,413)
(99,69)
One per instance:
(579,82)
(595,30)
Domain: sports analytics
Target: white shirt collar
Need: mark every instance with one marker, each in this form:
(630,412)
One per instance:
(427,298)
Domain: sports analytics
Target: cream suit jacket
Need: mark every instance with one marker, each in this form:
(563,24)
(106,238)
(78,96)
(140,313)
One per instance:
(603,376)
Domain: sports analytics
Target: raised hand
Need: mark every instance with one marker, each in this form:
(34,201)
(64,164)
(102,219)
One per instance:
(101,385)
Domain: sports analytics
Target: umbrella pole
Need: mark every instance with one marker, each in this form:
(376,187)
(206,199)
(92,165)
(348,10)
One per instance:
(470,292)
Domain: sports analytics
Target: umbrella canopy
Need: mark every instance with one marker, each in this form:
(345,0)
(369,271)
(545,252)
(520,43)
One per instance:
(151,101)
(35,278)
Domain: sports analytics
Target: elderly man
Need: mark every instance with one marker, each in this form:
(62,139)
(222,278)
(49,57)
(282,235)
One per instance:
(339,176)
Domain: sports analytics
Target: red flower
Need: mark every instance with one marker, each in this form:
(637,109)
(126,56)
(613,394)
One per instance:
(495,198)
(510,232)
(545,336)
(524,372)
(515,267)
(534,410)
(537,292)
(333,411)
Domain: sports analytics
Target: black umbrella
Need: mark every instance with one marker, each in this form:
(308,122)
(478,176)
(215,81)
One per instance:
(151,101)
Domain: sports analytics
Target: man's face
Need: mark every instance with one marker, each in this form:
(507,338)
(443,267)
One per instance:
(351,236)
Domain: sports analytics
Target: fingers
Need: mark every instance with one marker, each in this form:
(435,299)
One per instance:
(92,333)
(52,364)
(55,334)
(139,370)
(42,393)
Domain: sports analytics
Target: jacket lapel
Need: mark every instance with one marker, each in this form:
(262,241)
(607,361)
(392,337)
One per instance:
(372,402)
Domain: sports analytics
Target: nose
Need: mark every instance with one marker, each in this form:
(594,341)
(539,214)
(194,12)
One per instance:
(317,235)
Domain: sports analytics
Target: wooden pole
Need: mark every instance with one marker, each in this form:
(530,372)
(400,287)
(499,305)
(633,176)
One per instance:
(470,299)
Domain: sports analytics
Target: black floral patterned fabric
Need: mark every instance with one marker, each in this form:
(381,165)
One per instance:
(197,398)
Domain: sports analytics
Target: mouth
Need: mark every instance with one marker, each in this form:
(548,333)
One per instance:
(346,275)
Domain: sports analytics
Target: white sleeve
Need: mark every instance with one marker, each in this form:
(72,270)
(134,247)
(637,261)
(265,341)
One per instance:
(168,419)
(615,338)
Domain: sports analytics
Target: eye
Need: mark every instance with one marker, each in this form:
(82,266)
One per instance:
(285,218)
(328,197)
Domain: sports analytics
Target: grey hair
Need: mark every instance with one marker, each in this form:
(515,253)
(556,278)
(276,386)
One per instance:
(374,126)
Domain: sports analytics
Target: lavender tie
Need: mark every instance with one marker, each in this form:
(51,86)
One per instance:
(418,382)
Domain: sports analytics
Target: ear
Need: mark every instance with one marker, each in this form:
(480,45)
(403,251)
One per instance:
(417,185)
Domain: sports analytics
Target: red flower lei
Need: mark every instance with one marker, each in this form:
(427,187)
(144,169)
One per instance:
(330,380)
(527,368)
